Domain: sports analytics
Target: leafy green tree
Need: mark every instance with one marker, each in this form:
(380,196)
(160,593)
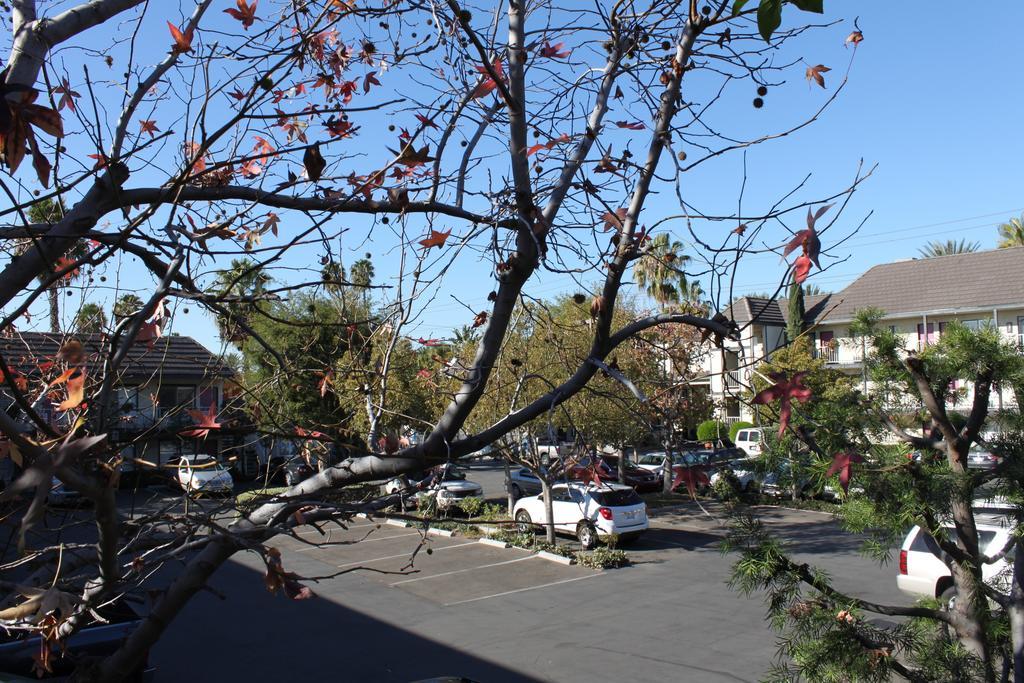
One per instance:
(90,319)
(948,248)
(795,322)
(244,279)
(828,634)
(1011,233)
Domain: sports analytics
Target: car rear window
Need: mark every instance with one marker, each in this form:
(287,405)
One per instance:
(617,497)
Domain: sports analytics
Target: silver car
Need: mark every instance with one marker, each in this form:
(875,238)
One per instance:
(524,483)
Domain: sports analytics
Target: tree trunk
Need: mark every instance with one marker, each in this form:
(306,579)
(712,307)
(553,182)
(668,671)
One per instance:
(508,486)
(1017,613)
(54,297)
(549,511)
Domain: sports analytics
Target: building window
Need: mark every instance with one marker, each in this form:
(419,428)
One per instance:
(732,409)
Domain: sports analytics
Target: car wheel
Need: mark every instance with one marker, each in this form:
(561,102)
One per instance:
(516,492)
(525,522)
(948,599)
(587,535)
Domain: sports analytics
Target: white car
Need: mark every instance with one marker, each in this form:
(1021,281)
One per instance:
(743,470)
(202,474)
(587,511)
(446,483)
(749,440)
(923,570)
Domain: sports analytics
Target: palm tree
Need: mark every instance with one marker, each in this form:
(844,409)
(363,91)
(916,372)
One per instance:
(814,290)
(660,272)
(947,248)
(362,276)
(90,319)
(49,211)
(126,306)
(1011,233)
(243,278)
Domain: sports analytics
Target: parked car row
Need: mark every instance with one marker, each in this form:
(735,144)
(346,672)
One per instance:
(445,486)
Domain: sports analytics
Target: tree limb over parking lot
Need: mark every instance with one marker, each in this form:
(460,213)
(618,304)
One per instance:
(484,142)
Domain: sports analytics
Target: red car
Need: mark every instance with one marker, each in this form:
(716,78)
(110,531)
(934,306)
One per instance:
(607,467)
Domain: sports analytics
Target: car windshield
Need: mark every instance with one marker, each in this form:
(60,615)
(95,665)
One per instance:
(616,497)
(453,474)
(204,463)
(652,459)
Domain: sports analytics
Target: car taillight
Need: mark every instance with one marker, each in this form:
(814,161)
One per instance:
(606,513)
(903,562)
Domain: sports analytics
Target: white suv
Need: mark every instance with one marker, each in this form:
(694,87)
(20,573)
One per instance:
(923,568)
(749,441)
(587,511)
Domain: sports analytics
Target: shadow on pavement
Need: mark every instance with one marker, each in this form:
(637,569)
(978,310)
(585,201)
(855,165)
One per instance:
(253,636)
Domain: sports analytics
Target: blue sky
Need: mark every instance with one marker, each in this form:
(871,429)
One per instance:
(938,115)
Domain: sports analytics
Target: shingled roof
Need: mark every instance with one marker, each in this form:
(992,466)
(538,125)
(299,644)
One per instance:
(960,282)
(174,356)
(776,312)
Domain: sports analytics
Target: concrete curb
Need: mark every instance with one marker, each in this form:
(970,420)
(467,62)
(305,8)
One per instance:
(440,532)
(552,557)
(396,522)
(494,543)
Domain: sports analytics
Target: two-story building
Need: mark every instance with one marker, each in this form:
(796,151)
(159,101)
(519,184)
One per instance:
(154,390)
(918,297)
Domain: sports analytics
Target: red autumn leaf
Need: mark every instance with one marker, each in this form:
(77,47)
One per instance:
(245,13)
(148,126)
(436,238)
(854,39)
(614,220)
(801,268)
(270,223)
(101,161)
(631,125)
(67,95)
(841,463)
(808,238)
(429,342)
(785,391)
(548,145)
(328,379)
(182,41)
(193,151)
(487,84)
(368,80)
(591,475)
(238,94)
(554,51)
(480,318)
(305,433)
(424,374)
(19,380)
(597,306)
(691,476)
(204,423)
(425,121)
(262,145)
(63,263)
(250,169)
(814,73)
(740,229)
(76,390)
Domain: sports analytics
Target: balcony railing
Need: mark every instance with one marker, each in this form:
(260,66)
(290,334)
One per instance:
(839,355)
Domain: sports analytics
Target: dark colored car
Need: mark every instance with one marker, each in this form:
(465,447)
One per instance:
(296,470)
(643,481)
(18,649)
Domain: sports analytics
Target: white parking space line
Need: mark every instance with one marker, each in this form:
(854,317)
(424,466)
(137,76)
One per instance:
(368,540)
(405,554)
(460,571)
(528,588)
(304,532)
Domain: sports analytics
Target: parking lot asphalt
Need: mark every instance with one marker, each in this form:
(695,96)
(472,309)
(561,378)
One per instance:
(493,614)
